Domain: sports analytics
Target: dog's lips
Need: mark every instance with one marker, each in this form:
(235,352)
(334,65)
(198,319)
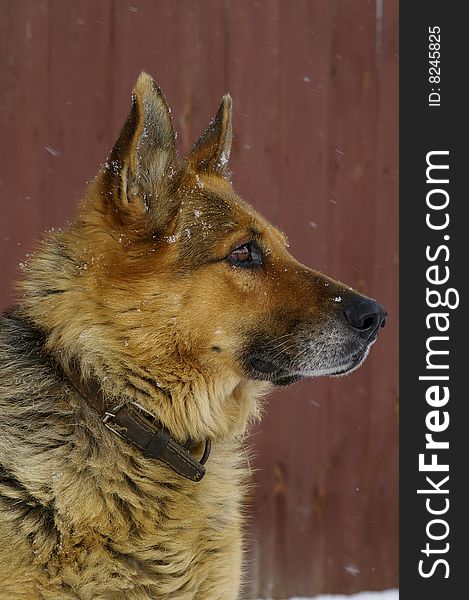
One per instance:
(354,361)
(262,366)
(287,380)
(263,369)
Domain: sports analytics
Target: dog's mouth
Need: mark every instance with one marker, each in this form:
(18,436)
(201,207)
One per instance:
(355,361)
(265,370)
(283,374)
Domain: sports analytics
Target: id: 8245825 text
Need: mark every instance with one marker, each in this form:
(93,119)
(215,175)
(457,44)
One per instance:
(434,72)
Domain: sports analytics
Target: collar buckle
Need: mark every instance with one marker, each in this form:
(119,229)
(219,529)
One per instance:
(108,417)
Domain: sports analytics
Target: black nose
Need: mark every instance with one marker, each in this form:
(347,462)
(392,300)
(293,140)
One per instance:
(365,316)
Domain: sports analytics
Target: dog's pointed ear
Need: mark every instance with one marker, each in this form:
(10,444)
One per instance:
(211,153)
(142,161)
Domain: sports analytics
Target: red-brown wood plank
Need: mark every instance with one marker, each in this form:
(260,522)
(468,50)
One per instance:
(24,30)
(181,44)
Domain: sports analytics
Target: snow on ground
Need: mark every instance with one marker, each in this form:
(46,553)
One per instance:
(386,595)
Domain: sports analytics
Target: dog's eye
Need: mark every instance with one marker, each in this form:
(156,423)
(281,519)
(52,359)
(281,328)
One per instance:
(246,255)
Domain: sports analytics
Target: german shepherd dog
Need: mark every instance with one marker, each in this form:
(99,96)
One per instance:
(146,333)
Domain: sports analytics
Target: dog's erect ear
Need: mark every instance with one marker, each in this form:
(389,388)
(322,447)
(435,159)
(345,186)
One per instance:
(211,153)
(141,166)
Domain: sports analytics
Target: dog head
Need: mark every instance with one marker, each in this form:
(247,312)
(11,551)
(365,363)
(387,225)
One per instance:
(187,284)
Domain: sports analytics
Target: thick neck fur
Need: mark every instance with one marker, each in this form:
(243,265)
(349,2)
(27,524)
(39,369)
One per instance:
(83,504)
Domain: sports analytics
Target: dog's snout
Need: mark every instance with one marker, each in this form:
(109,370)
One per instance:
(365,316)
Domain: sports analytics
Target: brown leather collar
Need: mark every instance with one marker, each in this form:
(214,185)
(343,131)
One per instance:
(133,423)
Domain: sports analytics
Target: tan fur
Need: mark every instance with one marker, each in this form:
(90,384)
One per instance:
(138,294)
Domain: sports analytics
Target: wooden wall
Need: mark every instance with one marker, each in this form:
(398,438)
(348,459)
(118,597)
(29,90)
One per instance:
(315,87)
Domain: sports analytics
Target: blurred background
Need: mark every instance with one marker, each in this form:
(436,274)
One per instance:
(315,90)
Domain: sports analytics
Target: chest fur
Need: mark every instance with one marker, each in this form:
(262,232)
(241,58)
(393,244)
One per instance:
(141,531)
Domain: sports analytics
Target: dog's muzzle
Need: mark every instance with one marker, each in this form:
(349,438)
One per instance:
(337,346)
